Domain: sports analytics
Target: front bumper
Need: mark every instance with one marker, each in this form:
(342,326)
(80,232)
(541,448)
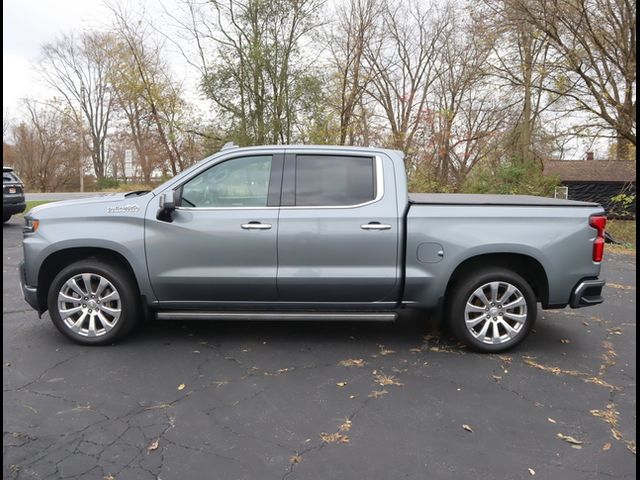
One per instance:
(587,293)
(30,294)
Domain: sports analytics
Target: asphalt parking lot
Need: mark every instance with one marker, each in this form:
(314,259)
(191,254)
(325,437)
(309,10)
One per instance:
(228,400)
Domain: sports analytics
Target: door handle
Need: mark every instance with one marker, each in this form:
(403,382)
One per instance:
(375,226)
(255,226)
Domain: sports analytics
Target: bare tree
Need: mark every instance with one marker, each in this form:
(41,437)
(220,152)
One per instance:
(404,66)
(78,68)
(358,23)
(45,149)
(595,41)
(144,86)
(467,115)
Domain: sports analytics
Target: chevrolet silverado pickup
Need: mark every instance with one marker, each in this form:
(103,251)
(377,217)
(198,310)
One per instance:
(309,232)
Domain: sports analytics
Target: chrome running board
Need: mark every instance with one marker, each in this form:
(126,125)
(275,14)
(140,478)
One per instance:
(276,316)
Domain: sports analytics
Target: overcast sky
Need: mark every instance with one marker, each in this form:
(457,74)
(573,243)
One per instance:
(28,24)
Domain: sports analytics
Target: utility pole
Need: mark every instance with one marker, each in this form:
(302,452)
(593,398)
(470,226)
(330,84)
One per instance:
(81,159)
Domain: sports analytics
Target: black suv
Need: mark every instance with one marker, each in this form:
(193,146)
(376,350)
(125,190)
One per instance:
(12,194)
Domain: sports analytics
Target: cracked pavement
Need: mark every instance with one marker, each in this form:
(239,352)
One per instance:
(284,400)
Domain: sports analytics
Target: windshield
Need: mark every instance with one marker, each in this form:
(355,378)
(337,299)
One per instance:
(193,167)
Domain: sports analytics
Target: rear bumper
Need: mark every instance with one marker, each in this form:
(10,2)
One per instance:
(30,294)
(587,293)
(13,208)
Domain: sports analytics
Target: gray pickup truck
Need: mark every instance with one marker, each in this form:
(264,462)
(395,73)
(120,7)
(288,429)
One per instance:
(309,232)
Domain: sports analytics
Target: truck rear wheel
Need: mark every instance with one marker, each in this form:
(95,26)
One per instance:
(492,310)
(93,303)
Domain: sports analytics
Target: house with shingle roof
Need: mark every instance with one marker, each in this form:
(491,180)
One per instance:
(595,180)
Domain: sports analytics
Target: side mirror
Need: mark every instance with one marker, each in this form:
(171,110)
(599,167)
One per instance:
(167,205)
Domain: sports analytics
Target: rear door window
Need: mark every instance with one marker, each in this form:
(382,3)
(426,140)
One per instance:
(332,180)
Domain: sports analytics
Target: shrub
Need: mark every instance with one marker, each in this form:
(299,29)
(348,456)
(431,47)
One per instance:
(107,183)
(511,178)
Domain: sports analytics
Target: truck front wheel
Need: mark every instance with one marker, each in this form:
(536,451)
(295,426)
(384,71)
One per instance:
(93,303)
(492,310)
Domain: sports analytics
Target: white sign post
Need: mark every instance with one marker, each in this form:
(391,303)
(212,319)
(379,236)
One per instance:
(128,163)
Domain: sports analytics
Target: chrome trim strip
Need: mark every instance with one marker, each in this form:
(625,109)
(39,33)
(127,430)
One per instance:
(177,315)
(379,195)
(379,191)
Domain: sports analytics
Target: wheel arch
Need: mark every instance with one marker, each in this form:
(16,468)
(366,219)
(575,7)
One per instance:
(59,259)
(524,265)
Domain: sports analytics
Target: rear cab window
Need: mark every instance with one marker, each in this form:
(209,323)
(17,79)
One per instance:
(334,180)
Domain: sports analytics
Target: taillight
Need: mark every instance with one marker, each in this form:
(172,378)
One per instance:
(598,222)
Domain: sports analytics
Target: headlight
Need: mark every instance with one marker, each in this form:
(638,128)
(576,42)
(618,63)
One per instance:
(30,225)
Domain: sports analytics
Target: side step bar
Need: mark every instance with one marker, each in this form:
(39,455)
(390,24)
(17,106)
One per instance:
(276,316)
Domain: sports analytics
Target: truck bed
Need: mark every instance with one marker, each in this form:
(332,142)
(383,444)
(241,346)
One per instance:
(504,200)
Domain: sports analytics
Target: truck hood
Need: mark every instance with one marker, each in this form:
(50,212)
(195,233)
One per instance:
(109,203)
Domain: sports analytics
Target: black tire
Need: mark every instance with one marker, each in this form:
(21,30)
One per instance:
(462,291)
(6,218)
(129,300)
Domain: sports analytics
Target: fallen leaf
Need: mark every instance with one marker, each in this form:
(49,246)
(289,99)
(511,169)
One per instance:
(383,380)
(616,434)
(565,340)
(415,350)
(108,477)
(606,447)
(181,386)
(336,437)
(496,377)
(353,362)
(341,384)
(569,439)
(351,397)
(385,351)
(551,420)
(467,427)
(295,459)
(8,364)
(346,426)
(377,393)
(153,446)
(532,472)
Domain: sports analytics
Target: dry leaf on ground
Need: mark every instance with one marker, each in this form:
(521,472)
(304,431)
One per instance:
(467,428)
(382,379)
(295,458)
(336,437)
(532,472)
(377,393)
(153,446)
(551,420)
(181,386)
(569,439)
(346,426)
(341,384)
(353,362)
(606,446)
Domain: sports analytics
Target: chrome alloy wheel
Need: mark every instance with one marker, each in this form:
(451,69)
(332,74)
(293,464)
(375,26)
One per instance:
(495,313)
(89,305)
